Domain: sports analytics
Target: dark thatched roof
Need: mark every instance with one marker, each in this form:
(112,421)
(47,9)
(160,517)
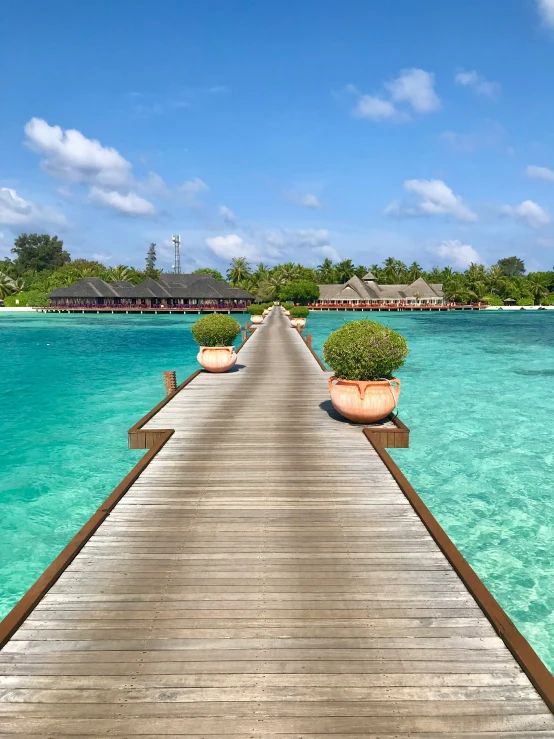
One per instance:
(185,286)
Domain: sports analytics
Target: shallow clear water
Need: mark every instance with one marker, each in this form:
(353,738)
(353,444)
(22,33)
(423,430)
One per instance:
(478,396)
(70,387)
(477,393)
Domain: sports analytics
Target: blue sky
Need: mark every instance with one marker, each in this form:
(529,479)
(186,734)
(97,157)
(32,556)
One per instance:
(291,130)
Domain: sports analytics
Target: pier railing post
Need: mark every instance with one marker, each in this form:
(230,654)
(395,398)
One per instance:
(170,381)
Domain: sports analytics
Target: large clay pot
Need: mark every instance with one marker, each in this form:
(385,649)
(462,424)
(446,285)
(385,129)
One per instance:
(287,313)
(217,358)
(265,313)
(298,322)
(364,402)
(256,319)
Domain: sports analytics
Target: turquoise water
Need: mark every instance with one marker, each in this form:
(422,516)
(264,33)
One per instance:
(478,396)
(70,387)
(477,393)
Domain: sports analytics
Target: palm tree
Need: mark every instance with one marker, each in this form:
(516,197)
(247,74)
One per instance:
(6,285)
(496,278)
(455,289)
(239,270)
(390,274)
(415,271)
(479,290)
(537,288)
(475,273)
(121,272)
(262,271)
(288,271)
(345,270)
(326,270)
(266,291)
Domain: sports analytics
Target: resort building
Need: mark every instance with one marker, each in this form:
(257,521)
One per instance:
(169,290)
(366,291)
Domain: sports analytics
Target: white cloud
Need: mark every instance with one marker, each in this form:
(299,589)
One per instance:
(130,204)
(70,155)
(375,108)
(310,237)
(230,246)
(304,200)
(478,84)
(191,189)
(227,214)
(456,253)
(435,198)
(546,11)
(540,173)
(529,212)
(327,251)
(16,211)
(415,87)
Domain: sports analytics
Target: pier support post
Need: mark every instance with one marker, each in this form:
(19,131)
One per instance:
(170,382)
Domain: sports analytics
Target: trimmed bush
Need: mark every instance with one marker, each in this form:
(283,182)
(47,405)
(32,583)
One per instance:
(287,306)
(256,309)
(299,311)
(215,330)
(365,350)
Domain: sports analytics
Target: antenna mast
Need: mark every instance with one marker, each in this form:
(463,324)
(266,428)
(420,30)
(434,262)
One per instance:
(177,243)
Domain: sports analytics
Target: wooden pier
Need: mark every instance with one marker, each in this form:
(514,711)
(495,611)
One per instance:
(265,570)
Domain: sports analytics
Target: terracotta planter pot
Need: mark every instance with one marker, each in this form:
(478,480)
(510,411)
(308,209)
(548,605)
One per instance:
(364,402)
(287,313)
(217,358)
(256,320)
(298,322)
(265,313)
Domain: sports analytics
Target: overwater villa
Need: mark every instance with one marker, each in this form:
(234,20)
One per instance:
(195,291)
(366,291)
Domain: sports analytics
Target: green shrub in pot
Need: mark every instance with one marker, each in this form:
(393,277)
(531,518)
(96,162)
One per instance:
(364,356)
(256,309)
(215,334)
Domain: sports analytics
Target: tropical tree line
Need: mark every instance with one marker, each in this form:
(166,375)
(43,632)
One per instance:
(40,264)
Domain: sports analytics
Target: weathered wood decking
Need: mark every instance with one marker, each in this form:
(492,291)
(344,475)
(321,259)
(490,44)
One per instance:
(265,575)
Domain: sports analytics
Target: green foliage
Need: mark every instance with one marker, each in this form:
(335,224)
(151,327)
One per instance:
(38,252)
(365,350)
(34,298)
(526,301)
(512,266)
(492,299)
(216,274)
(238,271)
(287,306)
(215,329)
(300,291)
(255,309)
(549,300)
(299,311)
(151,258)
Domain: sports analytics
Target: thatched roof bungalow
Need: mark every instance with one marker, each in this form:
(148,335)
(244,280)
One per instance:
(366,291)
(169,290)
